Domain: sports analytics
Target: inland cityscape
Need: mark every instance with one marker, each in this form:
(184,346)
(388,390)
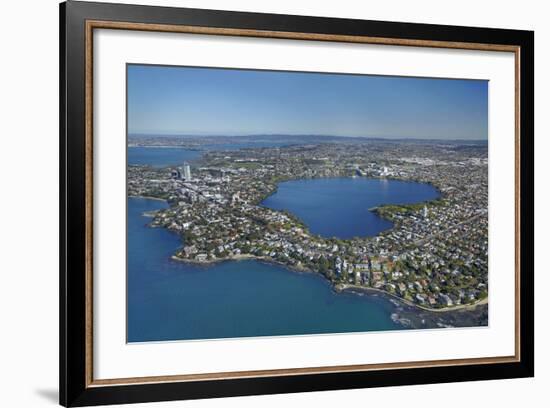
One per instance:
(281,234)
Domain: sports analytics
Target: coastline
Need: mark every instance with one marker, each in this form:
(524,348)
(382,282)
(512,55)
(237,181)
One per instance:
(147,198)
(339,287)
(244,257)
(343,287)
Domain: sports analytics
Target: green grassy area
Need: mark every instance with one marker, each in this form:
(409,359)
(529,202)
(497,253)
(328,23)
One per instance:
(390,209)
(247,165)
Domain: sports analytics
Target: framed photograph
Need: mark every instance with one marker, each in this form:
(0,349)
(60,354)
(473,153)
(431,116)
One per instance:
(256,203)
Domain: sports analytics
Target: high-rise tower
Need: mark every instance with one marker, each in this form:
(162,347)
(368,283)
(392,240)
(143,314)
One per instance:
(186,171)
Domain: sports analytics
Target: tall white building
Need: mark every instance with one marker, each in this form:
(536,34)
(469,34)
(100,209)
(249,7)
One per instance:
(186,171)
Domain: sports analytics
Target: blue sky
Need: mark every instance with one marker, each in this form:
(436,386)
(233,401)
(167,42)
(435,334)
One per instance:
(210,101)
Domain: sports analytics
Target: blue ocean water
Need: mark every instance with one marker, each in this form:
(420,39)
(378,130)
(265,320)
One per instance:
(339,207)
(171,300)
(172,156)
(160,156)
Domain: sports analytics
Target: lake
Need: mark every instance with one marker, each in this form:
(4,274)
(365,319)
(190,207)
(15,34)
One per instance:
(339,207)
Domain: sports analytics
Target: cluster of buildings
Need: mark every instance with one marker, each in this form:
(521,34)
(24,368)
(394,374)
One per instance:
(181,173)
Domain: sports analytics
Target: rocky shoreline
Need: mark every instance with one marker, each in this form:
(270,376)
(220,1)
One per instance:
(405,307)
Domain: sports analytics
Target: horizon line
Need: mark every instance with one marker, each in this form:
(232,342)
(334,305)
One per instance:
(177,135)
